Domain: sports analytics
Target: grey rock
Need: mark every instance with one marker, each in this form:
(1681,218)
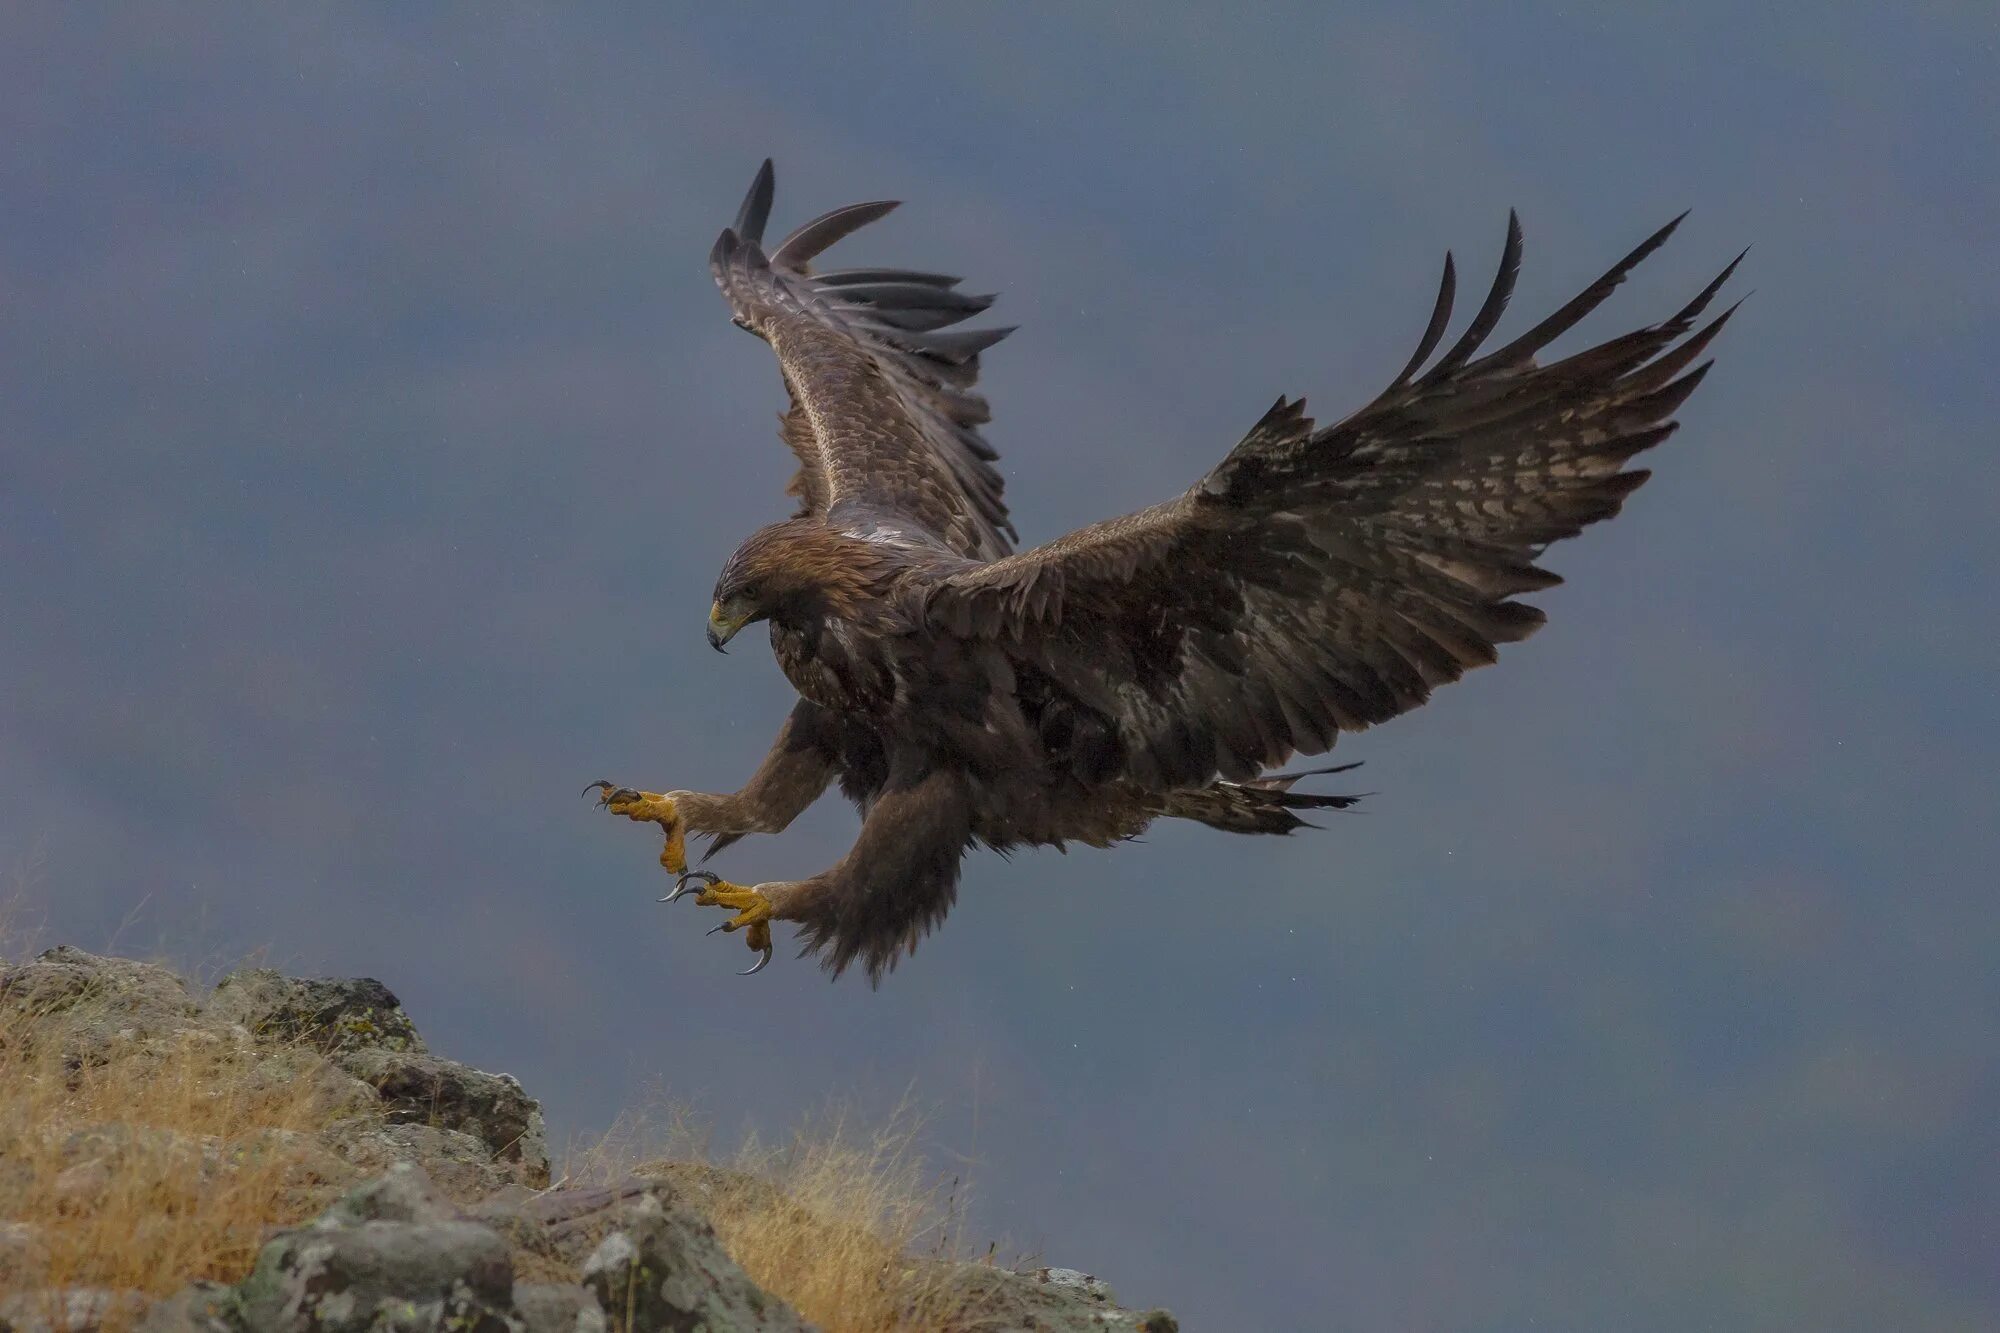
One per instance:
(551,1307)
(663,1271)
(416,1088)
(403,1193)
(66,1309)
(284,1066)
(1082,1283)
(329,1014)
(391,1257)
(1049,1300)
(65,977)
(557,1230)
(203,1307)
(98,1004)
(459,1164)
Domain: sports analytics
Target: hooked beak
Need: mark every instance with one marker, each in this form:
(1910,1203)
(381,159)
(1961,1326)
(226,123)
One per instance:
(721,629)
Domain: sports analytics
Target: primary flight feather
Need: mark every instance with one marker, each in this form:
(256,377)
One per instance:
(1318,580)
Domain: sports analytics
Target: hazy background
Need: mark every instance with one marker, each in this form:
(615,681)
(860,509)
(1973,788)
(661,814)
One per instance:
(370,435)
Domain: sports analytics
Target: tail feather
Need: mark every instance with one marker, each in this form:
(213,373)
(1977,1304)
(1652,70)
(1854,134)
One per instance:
(1260,805)
(1285,781)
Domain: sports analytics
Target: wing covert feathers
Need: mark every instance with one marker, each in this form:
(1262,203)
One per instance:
(885,412)
(1325,578)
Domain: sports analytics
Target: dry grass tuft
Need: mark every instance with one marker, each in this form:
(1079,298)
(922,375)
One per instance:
(849,1227)
(147,1163)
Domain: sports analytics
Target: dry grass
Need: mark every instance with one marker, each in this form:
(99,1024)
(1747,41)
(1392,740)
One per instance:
(159,1160)
(153,1163)
(850,1227)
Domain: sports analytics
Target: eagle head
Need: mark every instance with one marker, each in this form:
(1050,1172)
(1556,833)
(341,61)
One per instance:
(794,571)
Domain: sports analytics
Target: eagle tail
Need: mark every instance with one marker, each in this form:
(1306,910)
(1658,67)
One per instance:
(1261,805)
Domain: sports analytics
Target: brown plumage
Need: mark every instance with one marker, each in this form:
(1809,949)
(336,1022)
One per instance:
(1319,580)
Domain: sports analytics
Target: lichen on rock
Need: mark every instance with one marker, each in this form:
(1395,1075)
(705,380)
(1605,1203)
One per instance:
(421,1089)
(663,1269)
(391,1255)
(328,1014)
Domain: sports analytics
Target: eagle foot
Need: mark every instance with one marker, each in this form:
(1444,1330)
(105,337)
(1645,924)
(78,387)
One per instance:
(753,911)
(648,807)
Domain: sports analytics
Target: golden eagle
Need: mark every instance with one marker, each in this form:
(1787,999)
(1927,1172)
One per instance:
(1320,579)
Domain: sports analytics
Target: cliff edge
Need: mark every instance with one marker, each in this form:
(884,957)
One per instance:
(287,1155)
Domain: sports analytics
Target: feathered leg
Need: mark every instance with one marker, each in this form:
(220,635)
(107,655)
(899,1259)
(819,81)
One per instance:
(895,884)
(793,776)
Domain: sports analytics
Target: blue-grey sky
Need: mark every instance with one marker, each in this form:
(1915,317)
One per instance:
(371,433)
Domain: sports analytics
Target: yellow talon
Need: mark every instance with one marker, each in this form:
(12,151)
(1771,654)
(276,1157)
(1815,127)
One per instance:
(754,912)
(753,908)
(649,807)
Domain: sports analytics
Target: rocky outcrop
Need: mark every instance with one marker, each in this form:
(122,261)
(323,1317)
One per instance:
(107,1002)
(445,1113)
(1047,1300)
(661,1267)
(447,1223)
(328,1015)
(473,1131)
(391,1252)
(422,1090)
(396,1255)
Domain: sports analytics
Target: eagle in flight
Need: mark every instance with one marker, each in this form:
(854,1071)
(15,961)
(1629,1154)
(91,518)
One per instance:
(1318,580)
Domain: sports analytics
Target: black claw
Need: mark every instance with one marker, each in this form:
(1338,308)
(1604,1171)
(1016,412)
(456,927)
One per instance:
(607,792)
(757,966)
(707,877)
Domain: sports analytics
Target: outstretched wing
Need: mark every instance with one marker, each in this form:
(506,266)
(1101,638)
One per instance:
(884,417)
(1321,580)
